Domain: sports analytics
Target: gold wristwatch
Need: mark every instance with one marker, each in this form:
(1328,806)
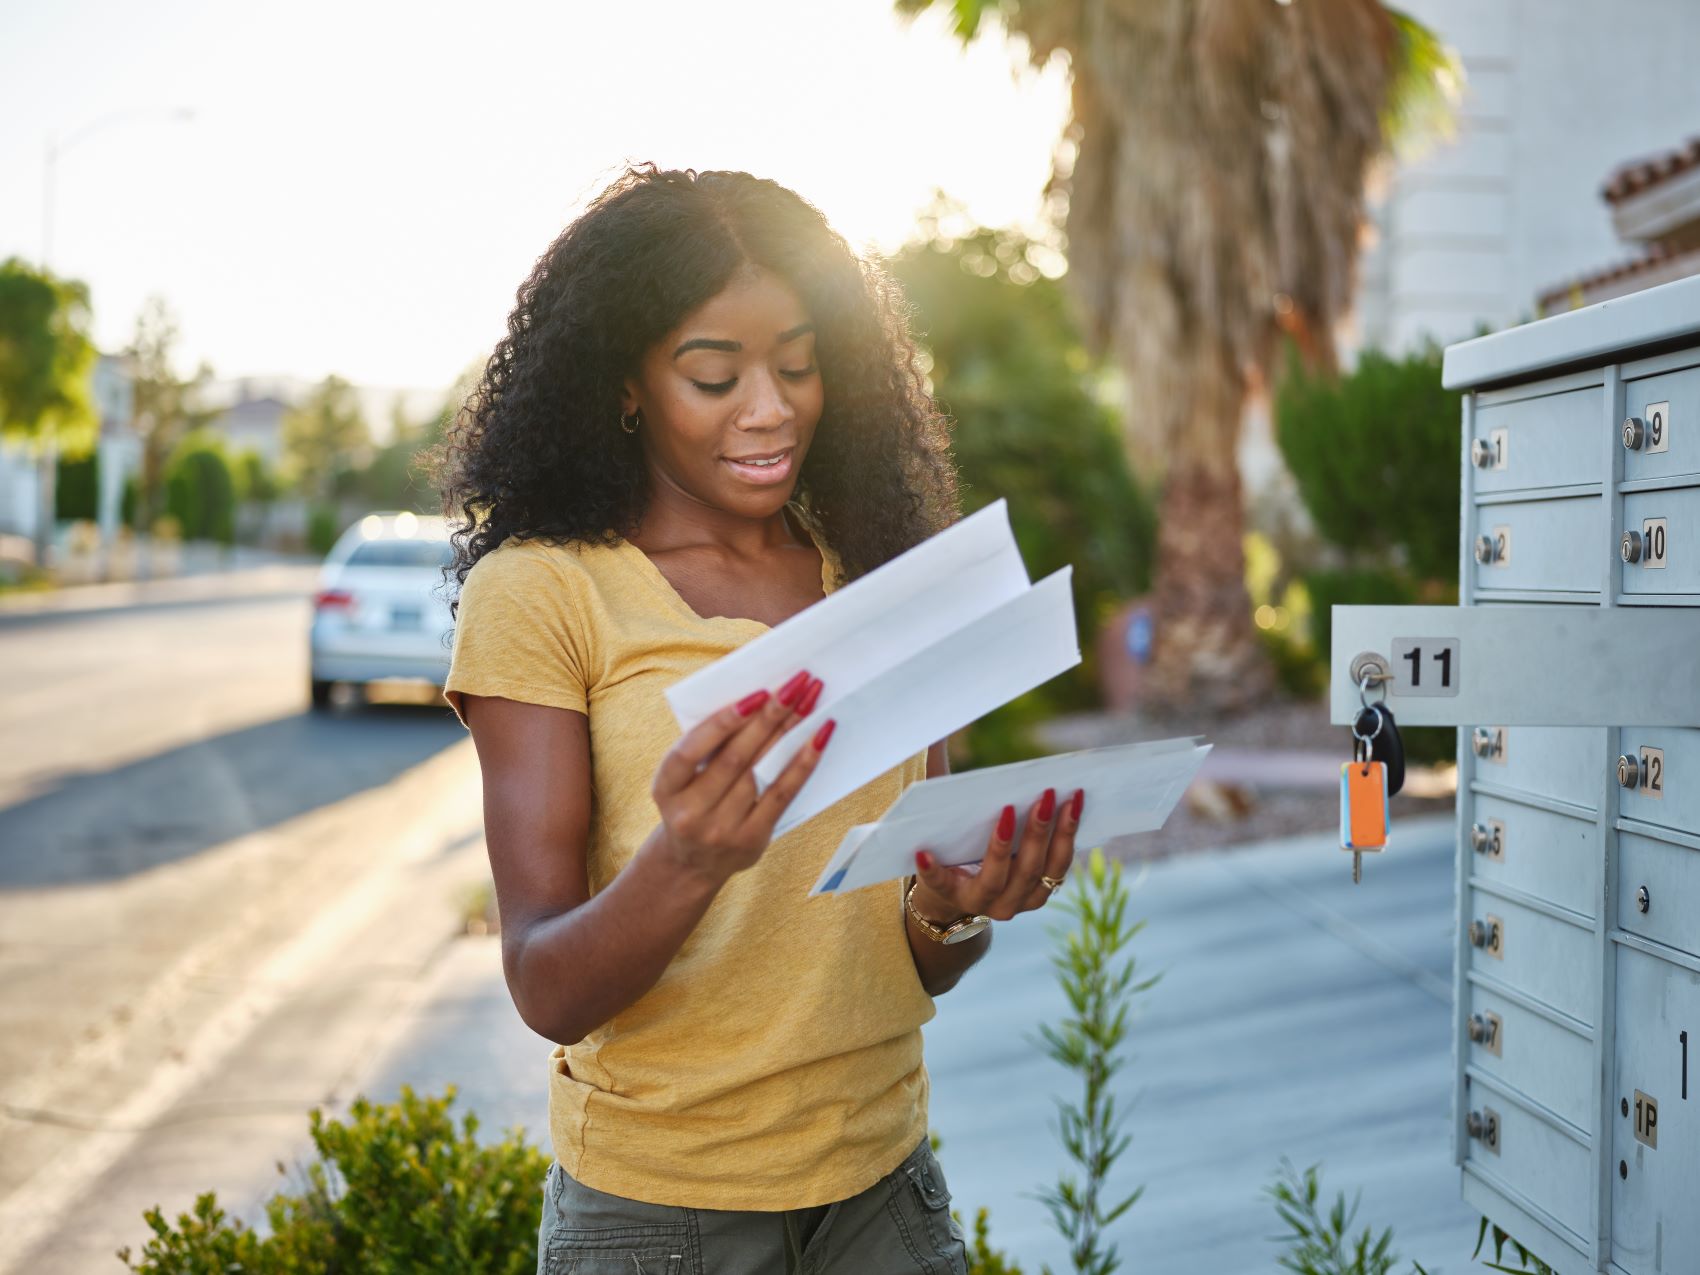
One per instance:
(965,927)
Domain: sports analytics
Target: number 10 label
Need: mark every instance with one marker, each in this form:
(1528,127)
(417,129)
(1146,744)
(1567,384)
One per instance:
(1425,666)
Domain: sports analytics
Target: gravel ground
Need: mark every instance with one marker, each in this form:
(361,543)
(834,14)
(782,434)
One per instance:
(1214,816)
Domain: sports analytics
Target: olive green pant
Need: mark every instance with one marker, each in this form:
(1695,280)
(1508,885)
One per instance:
(901,1225)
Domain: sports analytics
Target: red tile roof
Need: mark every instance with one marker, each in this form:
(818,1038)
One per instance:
(1563,296)
(1638,174)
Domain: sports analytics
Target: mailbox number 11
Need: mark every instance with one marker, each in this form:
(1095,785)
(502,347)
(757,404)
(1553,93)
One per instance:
(1425,666)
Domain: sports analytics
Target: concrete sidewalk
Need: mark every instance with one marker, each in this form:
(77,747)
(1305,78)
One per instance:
(270,580)
(1297,1015)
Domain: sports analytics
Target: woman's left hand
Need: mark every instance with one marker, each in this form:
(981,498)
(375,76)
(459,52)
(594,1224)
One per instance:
(1009,879)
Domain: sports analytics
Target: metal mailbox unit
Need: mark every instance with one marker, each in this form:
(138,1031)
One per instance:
(1572,668)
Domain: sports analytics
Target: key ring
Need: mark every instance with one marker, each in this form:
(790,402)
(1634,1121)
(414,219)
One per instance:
(1370,675)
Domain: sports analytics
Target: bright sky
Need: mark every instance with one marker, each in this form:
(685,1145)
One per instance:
(365,185)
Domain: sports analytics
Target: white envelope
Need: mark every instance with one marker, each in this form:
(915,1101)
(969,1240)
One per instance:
(917,648)
(1129,788)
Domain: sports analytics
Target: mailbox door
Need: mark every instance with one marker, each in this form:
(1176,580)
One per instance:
(1534,1158)
(1539,544)
(1550,855)
(1655,1181)
(1668,406)
(1667,772)
(1658,884)
(1561,762)
(1668,521)
(1553,960)
(1543,440)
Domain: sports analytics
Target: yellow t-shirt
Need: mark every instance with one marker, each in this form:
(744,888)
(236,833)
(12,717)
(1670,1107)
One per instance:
(777,1062)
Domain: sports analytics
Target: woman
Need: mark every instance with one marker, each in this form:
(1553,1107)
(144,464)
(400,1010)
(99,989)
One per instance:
(707,414)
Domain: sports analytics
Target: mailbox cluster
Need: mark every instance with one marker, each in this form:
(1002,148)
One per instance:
(1577,978)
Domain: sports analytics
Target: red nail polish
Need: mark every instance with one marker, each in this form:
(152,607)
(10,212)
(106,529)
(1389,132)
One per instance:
(751,702)
(789,692)
(1006,823)
(1079,801)
(806,705)
(1047,804)
(824,734)
(924,860)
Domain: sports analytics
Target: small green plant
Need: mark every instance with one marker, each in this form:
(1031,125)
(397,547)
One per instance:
(1318,1245)
(983,1259)
(1100,989)
(1527,1262)
(397,1188)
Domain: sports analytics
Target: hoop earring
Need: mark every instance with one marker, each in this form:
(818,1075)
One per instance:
(633,427)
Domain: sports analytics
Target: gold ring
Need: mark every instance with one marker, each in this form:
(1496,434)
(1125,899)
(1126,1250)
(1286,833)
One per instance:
(1052,883)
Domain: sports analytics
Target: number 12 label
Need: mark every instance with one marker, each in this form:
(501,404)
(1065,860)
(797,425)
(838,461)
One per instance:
(1425,666)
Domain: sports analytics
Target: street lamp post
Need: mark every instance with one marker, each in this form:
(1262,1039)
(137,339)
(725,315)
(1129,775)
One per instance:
(48,461)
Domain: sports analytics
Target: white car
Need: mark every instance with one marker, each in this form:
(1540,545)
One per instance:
(379,612)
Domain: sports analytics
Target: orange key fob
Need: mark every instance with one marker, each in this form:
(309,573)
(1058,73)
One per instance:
(1363,805)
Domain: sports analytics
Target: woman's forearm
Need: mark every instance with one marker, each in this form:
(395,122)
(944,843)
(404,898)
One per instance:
(575,971)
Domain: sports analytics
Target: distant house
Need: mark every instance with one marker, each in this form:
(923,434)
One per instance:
(1655,208)
(254,423)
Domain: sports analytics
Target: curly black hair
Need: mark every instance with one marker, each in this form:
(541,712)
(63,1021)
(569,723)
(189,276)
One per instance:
(536,452)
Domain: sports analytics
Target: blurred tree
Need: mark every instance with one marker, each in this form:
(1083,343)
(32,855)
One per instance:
(1214,188)
(255,479)
(46,358)
(1006,361)
(166,407)
(398,477)
(325,435)
(201,489)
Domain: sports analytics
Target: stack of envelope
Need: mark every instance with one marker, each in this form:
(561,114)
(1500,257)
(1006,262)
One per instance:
(914,650)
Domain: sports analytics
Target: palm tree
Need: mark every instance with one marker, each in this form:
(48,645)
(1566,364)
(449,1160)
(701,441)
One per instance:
(1214,183)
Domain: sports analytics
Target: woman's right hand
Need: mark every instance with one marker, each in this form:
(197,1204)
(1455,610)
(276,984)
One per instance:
(714,822)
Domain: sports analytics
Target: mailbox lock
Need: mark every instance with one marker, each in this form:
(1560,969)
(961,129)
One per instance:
(1483,741)
(1485,550)
(1484,1124)
(1629,771)
(1643,901)
(1481,453)
(1478,1028)
(1480,838)
(1478,934)
(1634,433)
(1630,546)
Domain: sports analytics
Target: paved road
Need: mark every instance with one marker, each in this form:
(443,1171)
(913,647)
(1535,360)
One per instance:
(172,818)
(1297,1015)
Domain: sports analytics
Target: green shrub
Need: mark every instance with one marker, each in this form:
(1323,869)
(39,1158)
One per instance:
(1099,985)
(323,527)
(1527,1262)
(1375,454)
(1324,1245)
(200,490)
(397,1189)
(76,492)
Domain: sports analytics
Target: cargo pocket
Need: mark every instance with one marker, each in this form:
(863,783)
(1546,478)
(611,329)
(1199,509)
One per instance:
(593,1233)
(618,1251)
(946,1248)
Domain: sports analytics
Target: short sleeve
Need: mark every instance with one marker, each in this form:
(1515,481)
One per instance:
(519,632)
